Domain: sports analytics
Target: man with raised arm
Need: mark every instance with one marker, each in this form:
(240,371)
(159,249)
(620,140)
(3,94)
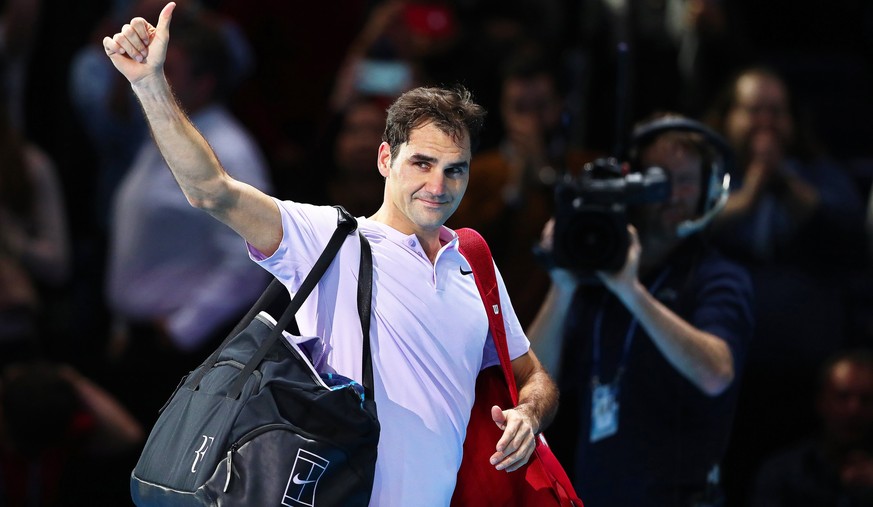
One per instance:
(429,330)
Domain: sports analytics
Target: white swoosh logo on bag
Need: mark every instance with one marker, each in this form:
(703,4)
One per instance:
(297,480)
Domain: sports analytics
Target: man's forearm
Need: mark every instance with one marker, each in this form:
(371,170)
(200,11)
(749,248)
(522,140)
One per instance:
(538,398)
(546,331)
(702,358)
(191,159)
(200,175)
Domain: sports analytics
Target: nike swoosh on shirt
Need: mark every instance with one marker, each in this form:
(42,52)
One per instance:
(465,272)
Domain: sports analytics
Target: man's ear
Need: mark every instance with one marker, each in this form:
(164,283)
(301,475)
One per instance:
(383,159)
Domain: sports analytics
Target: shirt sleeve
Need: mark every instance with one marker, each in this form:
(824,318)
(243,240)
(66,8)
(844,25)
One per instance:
(724,305)
(306,229)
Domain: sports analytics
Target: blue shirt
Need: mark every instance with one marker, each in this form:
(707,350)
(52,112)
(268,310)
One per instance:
(670,434)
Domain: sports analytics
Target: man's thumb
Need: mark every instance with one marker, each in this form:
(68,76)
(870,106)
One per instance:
(165,17)
(498,417)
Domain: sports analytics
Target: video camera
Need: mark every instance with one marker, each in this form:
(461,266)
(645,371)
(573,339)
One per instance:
(591,209)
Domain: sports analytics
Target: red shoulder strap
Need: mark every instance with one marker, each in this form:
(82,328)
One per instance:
(474,248)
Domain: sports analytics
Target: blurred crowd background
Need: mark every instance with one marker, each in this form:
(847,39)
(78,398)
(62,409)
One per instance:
(301,88)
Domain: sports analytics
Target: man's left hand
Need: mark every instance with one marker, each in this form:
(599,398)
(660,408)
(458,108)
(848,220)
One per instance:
(518,441)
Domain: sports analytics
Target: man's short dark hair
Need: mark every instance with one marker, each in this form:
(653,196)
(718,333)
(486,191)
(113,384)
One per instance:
(452,110)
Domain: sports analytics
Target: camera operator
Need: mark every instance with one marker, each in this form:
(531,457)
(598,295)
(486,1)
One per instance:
(648,360)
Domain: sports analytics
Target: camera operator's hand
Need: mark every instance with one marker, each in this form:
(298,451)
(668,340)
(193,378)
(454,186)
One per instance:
(623,282)
(564,280)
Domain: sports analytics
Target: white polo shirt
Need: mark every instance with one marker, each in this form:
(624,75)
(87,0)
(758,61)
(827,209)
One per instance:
(428,334)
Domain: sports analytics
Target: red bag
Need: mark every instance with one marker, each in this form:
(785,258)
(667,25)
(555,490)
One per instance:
(542,481)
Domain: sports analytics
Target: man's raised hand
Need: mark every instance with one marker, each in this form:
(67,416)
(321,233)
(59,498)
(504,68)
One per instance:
(139,49)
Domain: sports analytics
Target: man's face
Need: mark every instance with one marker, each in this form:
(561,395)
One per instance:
(846,403)
(683,166)
(425,182)
(761,106)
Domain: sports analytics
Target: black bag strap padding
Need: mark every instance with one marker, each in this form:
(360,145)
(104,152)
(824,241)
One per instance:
(365,294)
(287,317)
(346,224)
(365,302)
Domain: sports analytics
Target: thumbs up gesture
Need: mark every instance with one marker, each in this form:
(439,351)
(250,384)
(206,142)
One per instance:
(139,49)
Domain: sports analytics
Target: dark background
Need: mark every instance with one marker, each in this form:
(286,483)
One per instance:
(824,49)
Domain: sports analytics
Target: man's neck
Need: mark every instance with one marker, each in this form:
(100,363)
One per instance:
(428,239)
(655,254)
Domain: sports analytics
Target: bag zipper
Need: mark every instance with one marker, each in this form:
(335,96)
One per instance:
(245,438)
(234,447)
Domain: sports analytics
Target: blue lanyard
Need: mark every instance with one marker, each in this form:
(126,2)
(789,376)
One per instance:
(628,337)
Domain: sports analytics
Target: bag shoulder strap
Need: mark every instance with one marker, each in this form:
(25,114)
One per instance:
(365,303)
(346,224)
(365,284)
(474,248)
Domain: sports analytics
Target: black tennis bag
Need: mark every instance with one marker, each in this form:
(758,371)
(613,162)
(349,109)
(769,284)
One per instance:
(256,425)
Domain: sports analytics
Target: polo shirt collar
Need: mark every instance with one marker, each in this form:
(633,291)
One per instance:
(448,237)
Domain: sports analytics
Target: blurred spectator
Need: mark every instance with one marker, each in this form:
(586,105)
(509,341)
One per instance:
(511,191)
(488,33)
(506,21)
(171,310)
(64,441)
(386,57)
(299,48)
(18,26)
(834,468)
(34,247)
(790,203)
(348,157)
(794,218)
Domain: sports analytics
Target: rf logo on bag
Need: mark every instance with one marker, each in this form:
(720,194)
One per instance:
(307,470)
(201,452)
